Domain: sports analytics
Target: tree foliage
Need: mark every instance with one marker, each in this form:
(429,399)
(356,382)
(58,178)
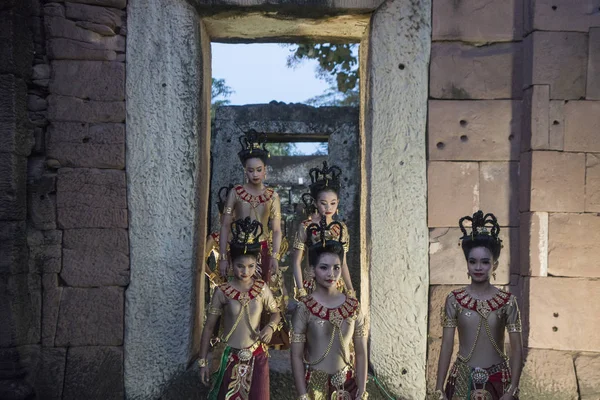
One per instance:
(220,94)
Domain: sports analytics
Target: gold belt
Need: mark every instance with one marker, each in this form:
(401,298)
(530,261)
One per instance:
(246,353)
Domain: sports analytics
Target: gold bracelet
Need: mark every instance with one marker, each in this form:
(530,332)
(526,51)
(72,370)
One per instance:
(440,394)
(273,326)
(304,396)
(223,257)
(202,362)
(275,255)
(364,396)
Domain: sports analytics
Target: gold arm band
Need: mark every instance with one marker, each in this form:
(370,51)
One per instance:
(513,328)
(447,322)
(276,215)
(363,331)
(202,362)
(364,396)
(214,310)
(228,211)
(298,245)
(223,257)
(304,396)
(297,338)
(276,255)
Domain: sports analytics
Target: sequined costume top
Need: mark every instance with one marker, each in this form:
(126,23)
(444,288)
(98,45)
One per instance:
(261,208)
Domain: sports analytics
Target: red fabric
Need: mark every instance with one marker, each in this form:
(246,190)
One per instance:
(494,386)
(259,389)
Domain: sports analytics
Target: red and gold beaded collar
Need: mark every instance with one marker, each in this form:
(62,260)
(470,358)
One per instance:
(483,307)
(334,315)
(243,297)
(252,199)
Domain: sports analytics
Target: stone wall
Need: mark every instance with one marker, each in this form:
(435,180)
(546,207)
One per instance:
(513,129)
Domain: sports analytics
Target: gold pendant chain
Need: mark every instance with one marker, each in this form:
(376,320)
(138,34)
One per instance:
(488,330)
(330,345)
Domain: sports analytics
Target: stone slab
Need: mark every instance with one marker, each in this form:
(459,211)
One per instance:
(41,200)
(498,190)
(89,80)
(447,264)
(459,71)
(111,17)
(90,267)
(558,59)
(45,250)
(16,53)
(573,245)
(592,183)
(557,124)
(118,4)
(49,379)
(548,375)
(561,15)
(582,126)
(15,136)
(533,233)
(437,301)
(94,373)
(592,91)
(458,181)
(90,317)
(535,124)
(91,198)
(64,108)
(562,313)
(59,27)
(69,49)
(51,292)
(13,173)
(74,144)
(477,21)
(21,314)
(587,367)
(557,181)
(13,247)
(367,5)
(474,130)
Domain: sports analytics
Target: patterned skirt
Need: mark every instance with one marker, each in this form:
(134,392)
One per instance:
(324,386)
(468,383)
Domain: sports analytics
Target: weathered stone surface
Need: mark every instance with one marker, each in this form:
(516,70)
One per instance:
(51,295)
(548,375)
(573,245)
(437,300)
(63,108)
(592,183)
(461,72)
(587,367)
(75,144)
(58,27)
(36,103)
(447,264)
(94,373)
(54,10)
(474,130)
(119,4)
(21,314)
(98,28)
(90,198)
(582,126)
(555,310)
(90,80)
(533,235)
(15,136)
(13,247)
(45,250)
(42,202)
(16,52)
(41,71)
(16,363)
(96,257)
(535,126)
(458,181)
(90,317)
(68,49)
(561,15)
(592,91)
(477,21)
(49,380)
(498,191)
(557,124)
(110,17)
(557,181)
(558,59)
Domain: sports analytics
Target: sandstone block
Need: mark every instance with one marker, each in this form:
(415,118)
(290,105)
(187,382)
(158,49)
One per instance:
(458,181)
(110,17)
(558,59)
(592,91)
(21,314)
(582,126)
(557,124)
(102,239)
(557,181)
(563,313)
(75,144)
(437,301)
(13,247)
(51,372)
(45,250)
(42,202)
(561,15)
(89,198)
(98,28)
(447,264)
(13,173)
(90,317)
(119,4)
(474,130)
(15,136)
(533,233)
(535,127)
(462,72)
(68,49)
(498,191)
(58,27)
(90,80)
(548,375)
(587,368)
(63,108)
(573,245)
(94,373)
(51,294)
(94,267)
(477,20)
(592,183)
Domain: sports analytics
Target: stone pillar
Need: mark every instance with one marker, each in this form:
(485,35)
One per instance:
(167,174)
(396,190)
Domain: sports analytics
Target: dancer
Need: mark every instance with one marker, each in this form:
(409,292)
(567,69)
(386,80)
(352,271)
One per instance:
(325,324)
(323,203)
(481,312)
(243,371)
(212,244)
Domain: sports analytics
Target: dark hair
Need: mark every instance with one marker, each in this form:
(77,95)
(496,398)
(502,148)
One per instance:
(253,146)
(484,233)
(325,179)
(309,204)
(324,245)
(244,238)
(223,198)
